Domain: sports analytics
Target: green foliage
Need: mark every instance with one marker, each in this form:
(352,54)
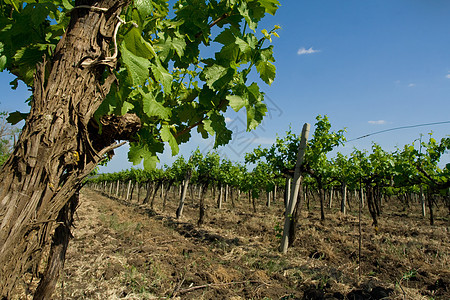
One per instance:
(395,172)
(164,76)
(282,155)
(28,31)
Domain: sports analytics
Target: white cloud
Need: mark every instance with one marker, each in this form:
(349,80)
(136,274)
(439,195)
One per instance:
(448,76)
(379,122)
(303,51)
(228,120)
(411,85)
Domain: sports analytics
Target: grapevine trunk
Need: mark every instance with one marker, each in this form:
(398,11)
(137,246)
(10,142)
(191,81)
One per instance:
(57,148)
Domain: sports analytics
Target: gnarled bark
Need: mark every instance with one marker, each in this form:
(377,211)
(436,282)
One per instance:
(58,147)
(58,250)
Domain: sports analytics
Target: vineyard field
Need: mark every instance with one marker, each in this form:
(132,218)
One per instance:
(124,250)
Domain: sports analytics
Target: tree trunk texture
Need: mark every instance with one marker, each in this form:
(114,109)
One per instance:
(202,209)
(58,249)
(155,192)
(149,192)
(254,203)
(377,199)
(166,194)
(422,202)
(322,200)
(430,207)
(138,192)
(371,204)
(58,146)
(330,200)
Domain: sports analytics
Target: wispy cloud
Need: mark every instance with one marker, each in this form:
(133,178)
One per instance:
(303,51)
(448,76)
(411,85)
(228,120)
(379,122)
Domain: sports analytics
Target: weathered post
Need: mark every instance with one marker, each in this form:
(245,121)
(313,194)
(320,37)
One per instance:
(296,187)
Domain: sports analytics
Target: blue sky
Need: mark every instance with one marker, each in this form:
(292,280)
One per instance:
(368,65)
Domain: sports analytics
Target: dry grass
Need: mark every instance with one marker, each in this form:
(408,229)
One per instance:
(126,251)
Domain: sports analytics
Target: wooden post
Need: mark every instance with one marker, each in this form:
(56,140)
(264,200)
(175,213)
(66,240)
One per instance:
(344,199)
(117,189)
(296,187)
(287,193)
(330,200)
(128,190)
(422,202)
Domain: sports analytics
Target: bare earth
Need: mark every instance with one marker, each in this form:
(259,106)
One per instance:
(127,251)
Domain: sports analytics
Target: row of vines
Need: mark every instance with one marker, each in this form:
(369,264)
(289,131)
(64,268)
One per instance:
(363,179)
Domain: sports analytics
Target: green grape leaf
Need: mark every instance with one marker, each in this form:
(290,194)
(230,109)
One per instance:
(16,117)
(267,54)
(223,134)
(167,136)
(254,93)
(186,112)
(135,43)
(236,102)
(244,11)
(39,11)
(153,108)
(255,115)
(136,66)
(67,5)
(26,59)
(126,107)
(228,54)
(201,129)
(226,37)
(3,61)
(163,76)
(140,152)
(218,76)
(207,126)
(243,45)
(144,7)
(266,71)
(270,6)
(179,44)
